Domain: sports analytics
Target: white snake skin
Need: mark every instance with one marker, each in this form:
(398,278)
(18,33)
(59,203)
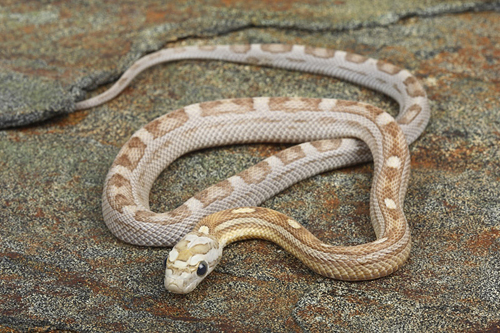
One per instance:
(152,148)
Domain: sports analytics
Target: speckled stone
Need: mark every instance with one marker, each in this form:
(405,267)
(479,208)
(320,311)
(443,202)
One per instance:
(58,52)
(62,270)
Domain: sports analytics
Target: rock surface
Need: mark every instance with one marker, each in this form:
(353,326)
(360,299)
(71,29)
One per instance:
(62,270)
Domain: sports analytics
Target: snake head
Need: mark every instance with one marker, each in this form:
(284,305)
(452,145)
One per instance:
(190,261)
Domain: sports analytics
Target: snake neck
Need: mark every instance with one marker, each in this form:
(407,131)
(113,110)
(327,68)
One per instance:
(238,224)
(351,263)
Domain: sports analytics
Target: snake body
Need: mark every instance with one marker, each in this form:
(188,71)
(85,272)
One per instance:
(223,213)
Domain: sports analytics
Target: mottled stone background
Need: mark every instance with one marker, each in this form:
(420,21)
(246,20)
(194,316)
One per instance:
(62,270)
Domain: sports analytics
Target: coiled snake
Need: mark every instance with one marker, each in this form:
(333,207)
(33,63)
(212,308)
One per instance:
(329,130)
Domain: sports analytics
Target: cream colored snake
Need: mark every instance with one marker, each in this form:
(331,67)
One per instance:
(329,130)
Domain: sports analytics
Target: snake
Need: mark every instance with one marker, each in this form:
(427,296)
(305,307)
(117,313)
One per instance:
(330,134)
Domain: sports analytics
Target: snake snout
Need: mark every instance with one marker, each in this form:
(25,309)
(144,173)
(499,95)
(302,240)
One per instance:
(178,285)
(175,285)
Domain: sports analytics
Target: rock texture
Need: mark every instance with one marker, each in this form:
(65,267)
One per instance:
(62,270)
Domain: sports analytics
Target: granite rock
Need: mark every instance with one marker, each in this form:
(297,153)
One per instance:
(62,270)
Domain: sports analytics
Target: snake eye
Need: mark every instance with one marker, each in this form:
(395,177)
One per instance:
(202,268)
(165,262)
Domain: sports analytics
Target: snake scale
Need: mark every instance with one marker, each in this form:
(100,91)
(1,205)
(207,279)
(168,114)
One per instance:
(333,133)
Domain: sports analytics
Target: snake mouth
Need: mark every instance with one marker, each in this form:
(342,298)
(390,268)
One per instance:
(177,286)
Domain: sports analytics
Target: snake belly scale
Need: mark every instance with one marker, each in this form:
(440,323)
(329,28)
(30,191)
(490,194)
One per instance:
(334,133)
